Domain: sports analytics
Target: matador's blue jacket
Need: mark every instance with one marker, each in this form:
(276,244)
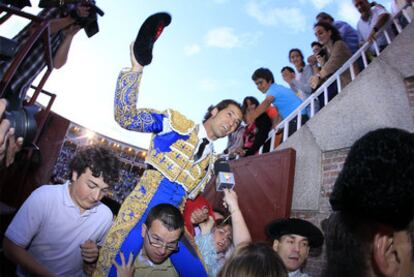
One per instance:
(175,175)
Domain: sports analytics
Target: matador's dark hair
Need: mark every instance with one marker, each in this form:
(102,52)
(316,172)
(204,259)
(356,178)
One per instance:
(221,106)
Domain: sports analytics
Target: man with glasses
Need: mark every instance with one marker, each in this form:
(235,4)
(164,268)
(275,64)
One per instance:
(57,230)
(161,232)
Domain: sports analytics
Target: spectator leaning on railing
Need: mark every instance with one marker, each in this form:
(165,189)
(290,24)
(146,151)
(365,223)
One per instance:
(312,60)
(300,81)
(333,55)
(347,32)
(373,18)
(283,98)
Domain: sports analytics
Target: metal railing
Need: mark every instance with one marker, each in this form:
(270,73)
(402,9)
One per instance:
(347,66)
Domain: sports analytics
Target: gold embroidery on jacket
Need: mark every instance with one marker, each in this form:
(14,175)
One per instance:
(130,213)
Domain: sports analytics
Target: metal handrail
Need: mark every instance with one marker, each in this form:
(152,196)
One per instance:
(348,65)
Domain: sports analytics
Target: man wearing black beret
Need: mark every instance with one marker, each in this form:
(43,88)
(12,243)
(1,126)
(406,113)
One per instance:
(292,240)
(371,229)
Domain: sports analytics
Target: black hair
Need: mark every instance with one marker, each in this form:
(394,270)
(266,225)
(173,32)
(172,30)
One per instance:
(288,68)
(223,222)
(348,243)
(316,43)
(263,73)
(220,106)
(377,180)
(300,53)
(324,15)
(335,36)
(169,215)
(100,160)
(252,100)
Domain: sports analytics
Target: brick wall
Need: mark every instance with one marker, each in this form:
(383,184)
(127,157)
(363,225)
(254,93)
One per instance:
(332,163)
(409,82)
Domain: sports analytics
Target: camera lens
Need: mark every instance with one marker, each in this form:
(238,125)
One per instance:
(24,123)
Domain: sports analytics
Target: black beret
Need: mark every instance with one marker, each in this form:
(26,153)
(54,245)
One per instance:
(377,180)
(295,226)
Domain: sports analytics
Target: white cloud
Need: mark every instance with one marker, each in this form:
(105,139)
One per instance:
(348,13)
(320,4)
(192,49)
(291,18)
(209,85)
(223,37)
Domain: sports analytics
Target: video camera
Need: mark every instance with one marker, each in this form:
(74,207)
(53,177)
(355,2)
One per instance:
(89,23)
(23,122)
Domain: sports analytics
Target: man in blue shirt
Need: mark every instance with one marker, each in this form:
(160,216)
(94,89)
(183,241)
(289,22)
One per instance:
(283,98)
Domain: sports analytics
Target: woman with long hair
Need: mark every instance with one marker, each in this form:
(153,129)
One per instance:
(333,55)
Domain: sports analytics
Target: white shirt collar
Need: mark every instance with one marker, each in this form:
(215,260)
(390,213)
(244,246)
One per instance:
(202,133)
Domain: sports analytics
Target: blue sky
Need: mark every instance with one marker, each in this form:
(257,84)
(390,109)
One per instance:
(207,54)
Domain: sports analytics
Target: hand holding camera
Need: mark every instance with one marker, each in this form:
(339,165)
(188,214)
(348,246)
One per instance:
(9,145)
(85,12)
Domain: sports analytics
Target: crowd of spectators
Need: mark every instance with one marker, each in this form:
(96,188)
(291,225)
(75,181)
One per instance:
(336,41)
(372,198)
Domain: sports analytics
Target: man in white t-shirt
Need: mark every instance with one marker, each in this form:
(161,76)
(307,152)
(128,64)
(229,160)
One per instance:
(373,18)
(57,230)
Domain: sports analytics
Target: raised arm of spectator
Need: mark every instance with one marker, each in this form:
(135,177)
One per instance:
(240,231)
(61,55)
(20,256)
(260,109)
(59,24)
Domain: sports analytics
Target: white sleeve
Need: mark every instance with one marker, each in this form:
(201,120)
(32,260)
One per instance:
(27,221)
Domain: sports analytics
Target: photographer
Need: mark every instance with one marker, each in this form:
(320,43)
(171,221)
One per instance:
(63,27)
(9,145)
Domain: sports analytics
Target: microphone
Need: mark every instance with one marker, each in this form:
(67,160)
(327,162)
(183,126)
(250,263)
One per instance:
(225,177)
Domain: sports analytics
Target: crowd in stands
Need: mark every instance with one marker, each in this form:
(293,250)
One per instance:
(336,41)
(130,173)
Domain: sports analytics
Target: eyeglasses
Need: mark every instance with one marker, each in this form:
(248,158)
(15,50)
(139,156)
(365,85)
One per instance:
(157,243)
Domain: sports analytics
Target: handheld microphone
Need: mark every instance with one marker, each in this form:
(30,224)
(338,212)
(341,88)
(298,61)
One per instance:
(225,177)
